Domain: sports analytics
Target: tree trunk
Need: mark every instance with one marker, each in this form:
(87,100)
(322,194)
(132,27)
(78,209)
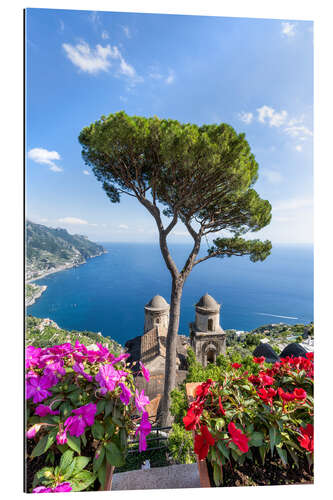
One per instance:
(171,349)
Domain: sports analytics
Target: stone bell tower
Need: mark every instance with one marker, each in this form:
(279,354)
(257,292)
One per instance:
(208,339)
(156,313)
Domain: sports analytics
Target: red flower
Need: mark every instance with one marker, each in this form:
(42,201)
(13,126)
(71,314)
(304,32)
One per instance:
(236,365)
(222,410)
(237,437)
(260,360)
(265,379)
(267,395)
(286,396)
(202,390)
(193,416)
(300,394)
(202,442)
(254,379)
(309,355)
(306,440)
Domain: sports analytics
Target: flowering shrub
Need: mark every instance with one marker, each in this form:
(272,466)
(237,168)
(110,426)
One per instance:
(242,417)
(79,398)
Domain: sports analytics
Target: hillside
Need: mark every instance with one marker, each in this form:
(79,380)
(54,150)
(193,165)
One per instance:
(45,332)
(53,249)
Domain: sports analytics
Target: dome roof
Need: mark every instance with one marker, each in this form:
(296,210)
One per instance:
(207,302)
(157,303)
(266,350)
(293,350)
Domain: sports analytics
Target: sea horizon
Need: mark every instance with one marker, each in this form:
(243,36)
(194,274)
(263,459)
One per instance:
(101,296)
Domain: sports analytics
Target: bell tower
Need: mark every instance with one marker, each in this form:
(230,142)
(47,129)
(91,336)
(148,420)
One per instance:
(208,339)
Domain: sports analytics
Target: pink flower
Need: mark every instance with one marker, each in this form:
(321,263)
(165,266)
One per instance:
(79,368)
(61,349)
(62,487)
(42,489)
(119,358)
(84,416)
(57,367)
(141,401)
(32,356)
(43,410)
(143,430)
(37,388)
(145,371)
(107,377)
(31,433)
(61,437)
(126,394)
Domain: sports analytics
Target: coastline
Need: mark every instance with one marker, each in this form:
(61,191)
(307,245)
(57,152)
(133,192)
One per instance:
(31,300)
(63,267)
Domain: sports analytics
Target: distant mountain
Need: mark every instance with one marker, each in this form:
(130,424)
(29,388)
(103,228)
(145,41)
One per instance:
(53,249)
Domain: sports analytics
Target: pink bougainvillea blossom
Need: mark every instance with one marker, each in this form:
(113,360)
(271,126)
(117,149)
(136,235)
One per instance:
(62,488)
(42,489)
(37,388)
(43,410)
(143,430)
(141,400)
(32,355)
(83,417)
(79,368)
(145,371)
(126,394)
(107,377)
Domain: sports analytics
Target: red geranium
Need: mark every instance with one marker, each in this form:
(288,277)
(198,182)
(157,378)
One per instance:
(267,395)
(237,437)
(202,442)
(254,379)
(260,360)
(236,365)
(309,355)
(306,440)
(193,416)
(202,390)
(300,394)
(265,379)
(222,410)
(286,396)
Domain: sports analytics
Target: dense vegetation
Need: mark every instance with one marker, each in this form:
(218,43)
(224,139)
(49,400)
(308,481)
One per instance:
(49,248)
(40,335)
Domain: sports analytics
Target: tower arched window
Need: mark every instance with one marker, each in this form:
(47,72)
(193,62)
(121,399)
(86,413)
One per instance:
(210,325)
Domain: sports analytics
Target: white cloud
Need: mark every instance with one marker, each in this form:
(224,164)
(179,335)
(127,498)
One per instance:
(105,35)
(43,156)
(170,78)
(127,32)
(245,117)
(123,226)
(298,148)
(91,60)
(299,131)
(292,204)
(272,176)
(288,29)
(274,118)
(72,220)
(86,172)
(155,76)
(98,59)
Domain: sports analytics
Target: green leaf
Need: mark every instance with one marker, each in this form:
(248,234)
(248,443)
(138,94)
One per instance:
(113,455)
(80,463)
(98,461)
(217,474)
(97,430)
(223,449)
(62,447)
(272,438)
(293,456)
(282,454)
(65,409)
(74,443)
(100,406)
(43,445)
(82,480)
(219,423)
(108,407)
(101,473)
(256,439)
(43,476)
(262,451)
(66,460)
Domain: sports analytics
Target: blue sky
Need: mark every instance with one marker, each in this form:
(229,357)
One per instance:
(254,74)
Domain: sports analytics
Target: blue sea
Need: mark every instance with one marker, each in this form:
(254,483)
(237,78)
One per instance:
(108,293)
